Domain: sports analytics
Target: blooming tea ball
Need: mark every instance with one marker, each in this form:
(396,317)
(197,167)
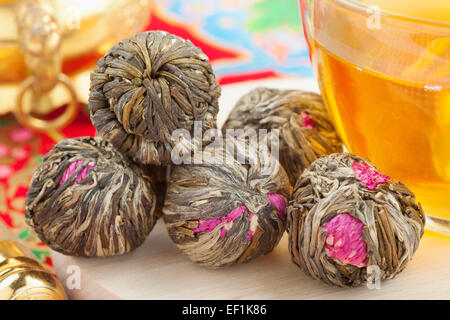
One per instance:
(145,88)
(349,223)
(87,199)
(158,175)
(305,129)
(221,213)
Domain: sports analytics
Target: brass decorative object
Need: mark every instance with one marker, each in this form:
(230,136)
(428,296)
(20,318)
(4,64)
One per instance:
(49,47)
(23,278)
(40,40)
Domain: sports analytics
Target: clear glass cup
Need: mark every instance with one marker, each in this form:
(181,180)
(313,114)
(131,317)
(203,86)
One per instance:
(385,78)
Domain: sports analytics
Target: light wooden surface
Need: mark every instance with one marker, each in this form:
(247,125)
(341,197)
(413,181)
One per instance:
(157,270)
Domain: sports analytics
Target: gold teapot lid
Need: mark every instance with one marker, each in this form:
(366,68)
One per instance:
(10,249)
(23,278)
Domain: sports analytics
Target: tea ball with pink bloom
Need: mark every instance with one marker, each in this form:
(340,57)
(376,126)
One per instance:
(349,224)
(88,199)
(222,212)
(297,119)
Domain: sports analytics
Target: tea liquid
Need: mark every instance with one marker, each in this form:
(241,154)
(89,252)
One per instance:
(437,10)
(403,127)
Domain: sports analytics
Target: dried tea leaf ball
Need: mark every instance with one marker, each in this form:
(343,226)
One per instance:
(221,213)
(305,129)
(87,199)
(158,175)
(349,224)
(146,87)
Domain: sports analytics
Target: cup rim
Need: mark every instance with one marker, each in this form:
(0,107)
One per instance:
(360,6)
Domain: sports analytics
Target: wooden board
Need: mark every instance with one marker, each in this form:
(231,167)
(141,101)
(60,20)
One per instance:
(157,270)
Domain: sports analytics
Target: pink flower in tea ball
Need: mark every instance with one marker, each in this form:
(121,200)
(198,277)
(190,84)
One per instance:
(279,202)
(70,170)
(345,241)
(370,177)
(308,122)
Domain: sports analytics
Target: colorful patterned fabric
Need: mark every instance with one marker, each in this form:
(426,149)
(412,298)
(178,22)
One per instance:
(250,39)
(245,40)
(21,152)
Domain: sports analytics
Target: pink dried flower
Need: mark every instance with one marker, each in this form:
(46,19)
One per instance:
(278,201)
(307,121)
(370,177)
(71,170)
(345,241)
(210,224)
(223,231)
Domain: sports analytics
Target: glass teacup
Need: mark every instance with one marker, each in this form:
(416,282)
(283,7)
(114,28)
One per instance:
(385,78)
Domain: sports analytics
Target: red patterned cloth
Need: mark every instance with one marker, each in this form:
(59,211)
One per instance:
(21,152)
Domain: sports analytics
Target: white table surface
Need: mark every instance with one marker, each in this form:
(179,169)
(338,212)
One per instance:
(157,270)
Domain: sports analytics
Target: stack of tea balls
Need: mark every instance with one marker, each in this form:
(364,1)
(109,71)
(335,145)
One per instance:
(101,196)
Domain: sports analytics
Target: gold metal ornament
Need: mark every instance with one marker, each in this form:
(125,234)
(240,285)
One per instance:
(23,278)
(49,47)
(27,119)
(40,41)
